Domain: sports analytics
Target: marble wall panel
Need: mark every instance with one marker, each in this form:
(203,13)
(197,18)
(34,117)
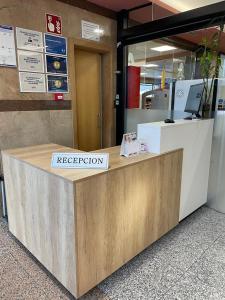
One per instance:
(26,128)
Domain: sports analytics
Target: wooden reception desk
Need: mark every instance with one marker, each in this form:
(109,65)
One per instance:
(82,225)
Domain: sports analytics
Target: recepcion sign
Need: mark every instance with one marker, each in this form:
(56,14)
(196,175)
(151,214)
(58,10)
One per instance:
(80,160)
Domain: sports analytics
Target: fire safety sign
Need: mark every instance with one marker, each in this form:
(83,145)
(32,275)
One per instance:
(54,24)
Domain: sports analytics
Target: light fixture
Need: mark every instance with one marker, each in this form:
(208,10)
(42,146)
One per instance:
(99,31)
(163,48)
(150,66)
(143,73)
(177,60)
(131,58)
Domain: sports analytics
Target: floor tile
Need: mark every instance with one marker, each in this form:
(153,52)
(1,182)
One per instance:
(187,263)
(210,272)
(15,283)
(189,287)
(95,294)
(140,279)
(217,250)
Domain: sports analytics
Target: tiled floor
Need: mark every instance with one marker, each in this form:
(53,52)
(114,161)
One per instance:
(187,263)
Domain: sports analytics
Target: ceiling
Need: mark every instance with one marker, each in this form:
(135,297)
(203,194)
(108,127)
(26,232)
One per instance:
(161,9)
(118,5)
(178,5)
(182,5)
(147,14)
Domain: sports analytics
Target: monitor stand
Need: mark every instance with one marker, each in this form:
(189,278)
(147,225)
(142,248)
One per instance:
(193,117)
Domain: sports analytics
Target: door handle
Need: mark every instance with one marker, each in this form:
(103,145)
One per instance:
(99,116)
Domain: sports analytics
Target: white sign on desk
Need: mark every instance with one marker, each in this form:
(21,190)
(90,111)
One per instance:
(80,160)
(130,145)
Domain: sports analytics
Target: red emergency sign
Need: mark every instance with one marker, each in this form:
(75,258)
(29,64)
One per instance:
(54,24)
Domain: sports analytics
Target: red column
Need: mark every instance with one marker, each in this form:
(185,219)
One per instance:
(133,86)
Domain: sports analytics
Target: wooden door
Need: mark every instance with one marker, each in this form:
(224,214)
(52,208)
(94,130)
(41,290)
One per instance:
(88,99)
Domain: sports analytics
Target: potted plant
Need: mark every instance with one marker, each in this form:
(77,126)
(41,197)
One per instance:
(210,63)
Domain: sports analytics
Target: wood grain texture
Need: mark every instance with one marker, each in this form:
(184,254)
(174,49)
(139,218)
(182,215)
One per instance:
(41,217)
(88,99)
(82,225)
(40,157)
(120,213)
(108,111)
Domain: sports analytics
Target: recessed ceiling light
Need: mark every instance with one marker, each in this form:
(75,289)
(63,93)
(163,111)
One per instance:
(163,48)
(150,65)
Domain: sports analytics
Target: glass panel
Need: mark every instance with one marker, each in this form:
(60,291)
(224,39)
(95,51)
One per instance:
(161,73)
(157,64)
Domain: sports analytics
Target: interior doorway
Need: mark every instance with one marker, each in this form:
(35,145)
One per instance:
(88,84)
(91,79)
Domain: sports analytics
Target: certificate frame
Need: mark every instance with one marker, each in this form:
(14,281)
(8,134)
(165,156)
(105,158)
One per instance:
(21,39)
(51,90)
(4,29)
(50,70)
(30,53)
(53,49)
(26,90)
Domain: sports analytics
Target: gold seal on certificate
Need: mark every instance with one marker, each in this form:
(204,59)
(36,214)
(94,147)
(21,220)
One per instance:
(58,83)
(57,65)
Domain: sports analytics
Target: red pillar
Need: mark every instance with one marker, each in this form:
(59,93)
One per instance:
(133,86)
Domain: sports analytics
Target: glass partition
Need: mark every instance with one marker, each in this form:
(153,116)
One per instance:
(160,74)
(153,67)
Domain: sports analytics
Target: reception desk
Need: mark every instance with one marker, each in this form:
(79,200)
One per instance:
(83,225)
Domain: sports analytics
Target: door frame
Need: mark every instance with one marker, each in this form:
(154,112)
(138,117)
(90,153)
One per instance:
(106,52)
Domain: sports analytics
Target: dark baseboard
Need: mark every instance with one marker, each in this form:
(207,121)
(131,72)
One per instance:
(31,105)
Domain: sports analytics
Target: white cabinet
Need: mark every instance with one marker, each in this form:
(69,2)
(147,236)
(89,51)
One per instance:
(195,137)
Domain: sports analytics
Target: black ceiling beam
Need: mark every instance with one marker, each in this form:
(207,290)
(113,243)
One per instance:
(210,15)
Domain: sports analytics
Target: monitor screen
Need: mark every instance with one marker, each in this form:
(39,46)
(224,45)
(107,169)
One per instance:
(194,98)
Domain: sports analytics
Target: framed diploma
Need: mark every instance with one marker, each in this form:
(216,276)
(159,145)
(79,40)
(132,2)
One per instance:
(30,61)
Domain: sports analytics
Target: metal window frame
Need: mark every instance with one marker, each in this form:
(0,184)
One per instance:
(200,18)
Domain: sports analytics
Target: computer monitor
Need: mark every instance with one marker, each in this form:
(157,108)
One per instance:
(194,99)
